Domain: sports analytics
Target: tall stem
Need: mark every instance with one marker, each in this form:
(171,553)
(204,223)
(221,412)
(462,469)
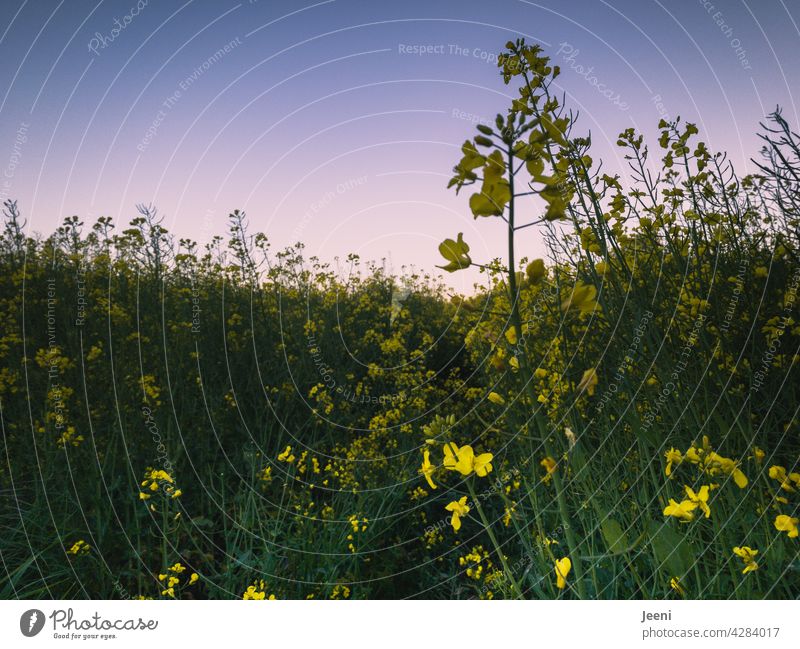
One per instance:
(525,368)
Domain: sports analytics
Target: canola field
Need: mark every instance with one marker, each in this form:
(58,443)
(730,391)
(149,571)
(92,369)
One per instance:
(615,419)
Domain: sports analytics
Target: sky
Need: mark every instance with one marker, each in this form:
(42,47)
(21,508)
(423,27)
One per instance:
(337,123)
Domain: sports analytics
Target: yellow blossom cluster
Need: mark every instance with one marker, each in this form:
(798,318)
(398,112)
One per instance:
(174,580)
(789,483)
(748,557)
(257,590)
(158,481)
(707,461)
(79,547)
(684,510)
(357,526)
(479,568)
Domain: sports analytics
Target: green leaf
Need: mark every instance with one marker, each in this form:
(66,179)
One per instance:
(472,159)
(555,129)
(615,538)
(456,253)
(556,210)
(464,169)
(482,205)
(521,106)
(670,549)
(535,168)
(495,192)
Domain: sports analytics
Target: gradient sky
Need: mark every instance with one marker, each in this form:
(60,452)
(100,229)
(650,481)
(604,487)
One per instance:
(321,126)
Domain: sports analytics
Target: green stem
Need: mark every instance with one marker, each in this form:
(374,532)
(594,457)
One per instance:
(493,538)
(528,378)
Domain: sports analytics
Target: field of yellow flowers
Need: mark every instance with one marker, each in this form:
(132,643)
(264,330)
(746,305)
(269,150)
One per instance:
(618,420)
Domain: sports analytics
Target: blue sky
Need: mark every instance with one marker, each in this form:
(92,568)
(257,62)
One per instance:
(325,123)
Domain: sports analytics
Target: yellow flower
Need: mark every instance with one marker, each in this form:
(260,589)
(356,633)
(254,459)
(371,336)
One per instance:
(79,547)
(588,381)
(674,457)
(340,591)
(715,463)
(682,511)
(459,508)
(675,584)
(257,591)
(563,566)
(758,454)
(154,475)
(550,466)
(700,498)
(536,271)
(784,523)
(193,579)
(286,456)
(458,458)
(252,593)
(427,468)
(582,298)
(496,398)
(779,473)
(739,478)
(511,336)
(693,455)
(747,555)
(483,464)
